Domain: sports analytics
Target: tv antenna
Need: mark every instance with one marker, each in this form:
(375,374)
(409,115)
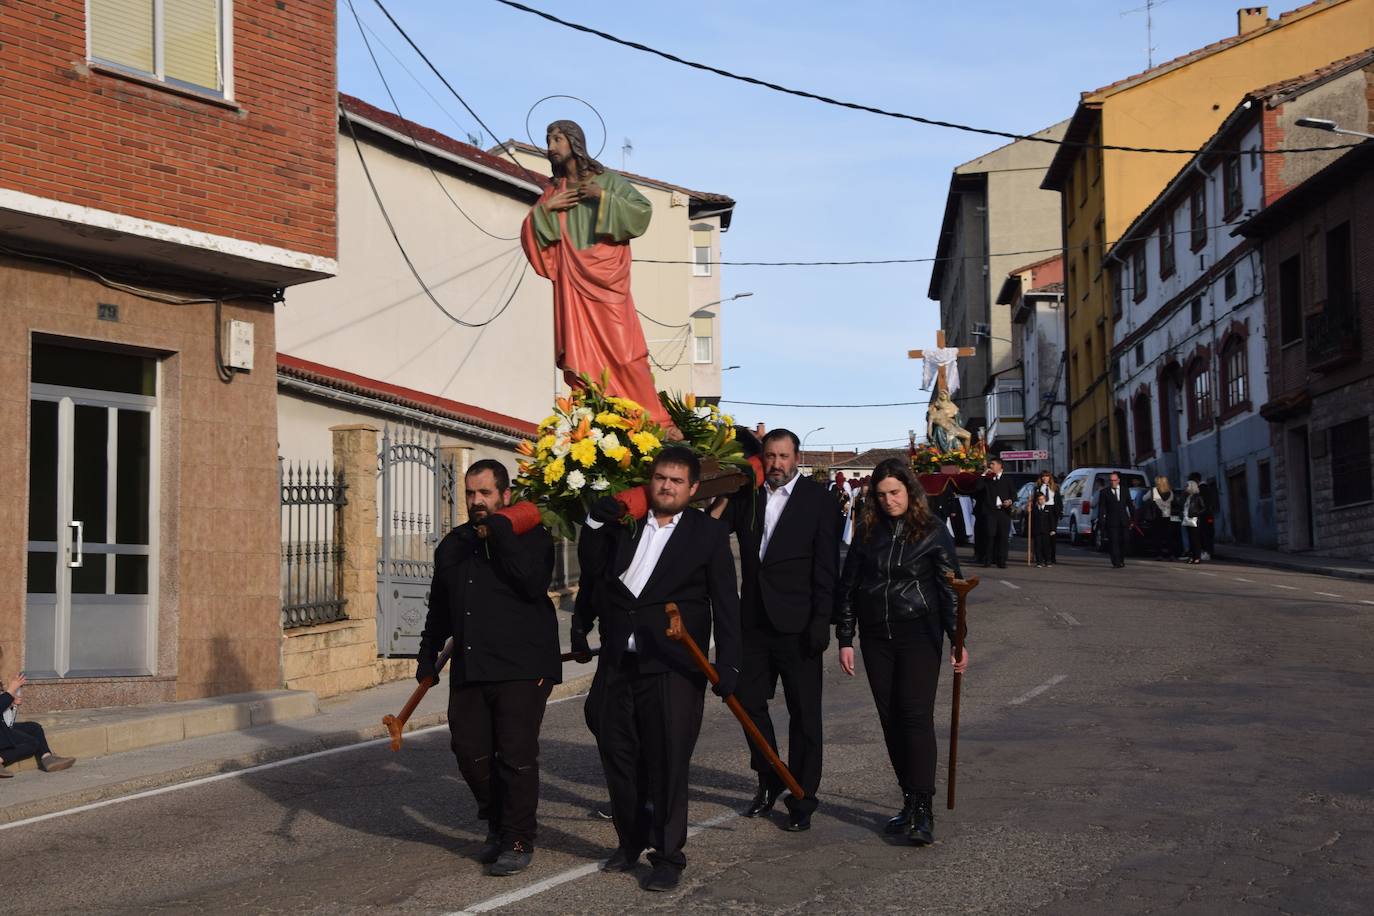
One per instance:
(1149,10)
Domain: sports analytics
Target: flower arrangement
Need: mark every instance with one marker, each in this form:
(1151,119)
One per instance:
(931,459)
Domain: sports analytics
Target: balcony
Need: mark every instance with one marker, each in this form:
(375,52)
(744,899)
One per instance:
(1333,337)
(1006,411)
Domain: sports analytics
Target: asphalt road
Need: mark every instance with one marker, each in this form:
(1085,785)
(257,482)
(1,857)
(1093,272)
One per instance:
(1161,738)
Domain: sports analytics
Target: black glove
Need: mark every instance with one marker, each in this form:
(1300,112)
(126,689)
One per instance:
(816,638)
(498,526)
(581,649)
(729,680)
(607,510)
(424,666)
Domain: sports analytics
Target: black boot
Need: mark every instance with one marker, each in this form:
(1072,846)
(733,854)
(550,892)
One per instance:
(899,824)
(921,830)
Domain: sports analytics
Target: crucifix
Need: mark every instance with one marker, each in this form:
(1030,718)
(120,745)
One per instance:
(942,359)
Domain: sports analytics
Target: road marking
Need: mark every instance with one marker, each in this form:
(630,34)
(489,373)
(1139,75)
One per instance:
(1009,584)
(1036,691)
(1287,588)
(1363,601)
(1239,579)
(1326,594)
(572,874)
(1201,573)
(1067,618)
(206,780)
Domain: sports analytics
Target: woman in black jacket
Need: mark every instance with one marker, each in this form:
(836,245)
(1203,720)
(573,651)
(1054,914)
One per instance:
(894,589)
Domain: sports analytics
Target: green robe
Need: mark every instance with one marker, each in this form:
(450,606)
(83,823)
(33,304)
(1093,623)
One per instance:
(621,213)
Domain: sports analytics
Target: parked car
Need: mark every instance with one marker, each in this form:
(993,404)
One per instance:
(1135,536)
(1018,508)
(1077,495)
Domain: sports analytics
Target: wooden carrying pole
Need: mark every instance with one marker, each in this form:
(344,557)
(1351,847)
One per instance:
(679,632)
(396,725)
(961,588)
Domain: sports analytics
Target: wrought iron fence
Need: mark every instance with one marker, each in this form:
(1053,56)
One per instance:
(312,498)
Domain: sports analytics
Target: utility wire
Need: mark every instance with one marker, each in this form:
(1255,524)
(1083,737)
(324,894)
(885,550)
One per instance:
(415,143)
(770,404)
(405,256)
(139,291)
(856,106)
(440,105)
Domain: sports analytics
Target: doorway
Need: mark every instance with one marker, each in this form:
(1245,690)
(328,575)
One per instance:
(1298,469)
(1238,505)
(90,604)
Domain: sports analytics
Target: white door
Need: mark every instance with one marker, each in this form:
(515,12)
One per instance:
(91,603)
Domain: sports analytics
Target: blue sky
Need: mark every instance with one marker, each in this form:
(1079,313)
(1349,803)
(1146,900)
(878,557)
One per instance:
(812,182)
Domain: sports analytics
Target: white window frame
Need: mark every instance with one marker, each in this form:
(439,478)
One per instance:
(700,268)
(697,343)
(226,53)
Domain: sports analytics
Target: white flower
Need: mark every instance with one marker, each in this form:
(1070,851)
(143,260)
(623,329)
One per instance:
(561,449)
(597,433)
(608,442)
(703,412)
(576,480)
(563,428)
(582,412)
(600,483)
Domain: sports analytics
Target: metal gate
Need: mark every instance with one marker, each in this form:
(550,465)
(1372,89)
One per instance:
(418,505)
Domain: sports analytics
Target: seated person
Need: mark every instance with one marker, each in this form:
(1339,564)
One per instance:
(19,740)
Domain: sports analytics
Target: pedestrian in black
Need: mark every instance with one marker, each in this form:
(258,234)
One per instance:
(647,691)
(894,591)
(492,597)
(21,740)
(996,494)
(788,558)
(1050,490)
(1042,531)
(1115,518)
(1207,521)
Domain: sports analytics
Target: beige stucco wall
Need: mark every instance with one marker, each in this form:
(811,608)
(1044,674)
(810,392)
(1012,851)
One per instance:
(216,565)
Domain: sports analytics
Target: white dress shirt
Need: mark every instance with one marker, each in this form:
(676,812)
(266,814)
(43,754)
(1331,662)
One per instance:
(647,553)
(1049,493)
(774,502)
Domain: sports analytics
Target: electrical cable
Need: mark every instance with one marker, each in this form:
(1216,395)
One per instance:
(414,142)
(440,105)
(140,292)
(856,106)
(660,323)
(843,406)
(405,256)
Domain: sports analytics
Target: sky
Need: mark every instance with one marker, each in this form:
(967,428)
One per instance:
(811,182)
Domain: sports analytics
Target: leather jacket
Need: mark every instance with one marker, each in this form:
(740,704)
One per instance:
(889,579)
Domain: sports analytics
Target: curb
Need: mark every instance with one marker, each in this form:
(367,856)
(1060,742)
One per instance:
(325,741)
(1333,572)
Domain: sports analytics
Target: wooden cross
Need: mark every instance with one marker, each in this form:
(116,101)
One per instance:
(940,383)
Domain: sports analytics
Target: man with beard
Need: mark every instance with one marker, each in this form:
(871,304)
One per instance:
(789,551)
(492,596)
(647,694)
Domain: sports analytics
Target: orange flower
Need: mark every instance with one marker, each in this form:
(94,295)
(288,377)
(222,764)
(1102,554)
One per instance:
(584,429)
(564,405)
(525,448)
(625,459)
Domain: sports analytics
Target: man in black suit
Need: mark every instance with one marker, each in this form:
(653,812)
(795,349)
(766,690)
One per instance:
(647,693)
(788,555)
(1114,515)
(996,494)
(492,597)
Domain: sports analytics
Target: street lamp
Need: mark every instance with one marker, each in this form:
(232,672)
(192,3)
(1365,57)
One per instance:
(1331,127)
(728,368)
(810,434)
(702,313)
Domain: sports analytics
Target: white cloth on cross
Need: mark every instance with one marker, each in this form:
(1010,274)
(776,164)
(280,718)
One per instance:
(936,358)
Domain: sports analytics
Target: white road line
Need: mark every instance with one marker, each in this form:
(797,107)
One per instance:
(1067,618)
(1363,601)
(1239,579)
(1287,588)
(572,874)
(1036,691)
(1201,573)
(1327,594)
(247,771)
(1009,584)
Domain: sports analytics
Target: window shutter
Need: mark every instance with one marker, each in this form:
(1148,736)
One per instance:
(122,33)
(701,239)
(191,43)
(701,327)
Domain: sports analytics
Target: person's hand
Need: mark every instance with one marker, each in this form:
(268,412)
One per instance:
(816,638)
(847,660)
(960,666)
(729,680)
(565,199)
(498,526)
(718,506)
(424,667)
(582,650)
(19,680)
(589,188)
(607,510)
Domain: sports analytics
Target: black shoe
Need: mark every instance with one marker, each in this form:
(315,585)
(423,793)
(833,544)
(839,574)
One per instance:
(491,849)
(921,830)
(621,860)
(764,800)
(899,822)
(798,821)
(664,877)
(515,859)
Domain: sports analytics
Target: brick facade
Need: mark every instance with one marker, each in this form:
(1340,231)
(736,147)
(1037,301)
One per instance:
(260,168)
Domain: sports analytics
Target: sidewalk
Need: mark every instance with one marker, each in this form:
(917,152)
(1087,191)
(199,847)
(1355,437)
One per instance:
(339,721)
(1297,562)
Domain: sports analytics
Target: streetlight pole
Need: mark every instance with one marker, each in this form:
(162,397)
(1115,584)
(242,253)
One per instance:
(808,436)
(702,313)
(1331,127)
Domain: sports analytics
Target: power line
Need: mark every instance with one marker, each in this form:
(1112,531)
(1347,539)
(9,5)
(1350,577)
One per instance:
(856,106)
(415,143)
(769,404)
(425,89)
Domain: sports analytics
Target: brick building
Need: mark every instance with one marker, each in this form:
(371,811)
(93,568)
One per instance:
(160,182)
(1318,243)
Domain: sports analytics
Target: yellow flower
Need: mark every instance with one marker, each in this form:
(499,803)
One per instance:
(584,452)
(549,422)
(625,404)
(645,442)
(546,442)
(690,401)
(614,421)
(730,434)
(553,471)
(618,454)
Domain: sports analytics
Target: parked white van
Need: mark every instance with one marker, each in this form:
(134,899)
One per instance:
(1076,494)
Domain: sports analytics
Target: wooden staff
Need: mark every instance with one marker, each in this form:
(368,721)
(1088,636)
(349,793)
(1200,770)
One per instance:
(961,588)
(396,724)
(679,632)
(1030,528)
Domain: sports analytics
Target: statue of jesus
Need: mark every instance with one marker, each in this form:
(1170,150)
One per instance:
(578,236)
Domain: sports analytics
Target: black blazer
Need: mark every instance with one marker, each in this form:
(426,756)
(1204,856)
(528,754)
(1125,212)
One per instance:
(991,490)
(1113,512)
(793,585)
(6,733)
(493,599)
(695,570)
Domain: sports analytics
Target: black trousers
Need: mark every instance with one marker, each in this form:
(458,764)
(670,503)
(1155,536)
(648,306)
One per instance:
(29,741)
(647,726)
(768,657)
(1116,544)
(903,673)
(1043,541)
(495,736)
(999,529)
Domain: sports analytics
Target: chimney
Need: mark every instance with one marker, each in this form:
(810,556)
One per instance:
(1249,18)
(760,430)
